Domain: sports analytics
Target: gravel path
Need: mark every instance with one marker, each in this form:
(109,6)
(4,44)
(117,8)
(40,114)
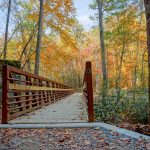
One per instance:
(68,139)
(70,109)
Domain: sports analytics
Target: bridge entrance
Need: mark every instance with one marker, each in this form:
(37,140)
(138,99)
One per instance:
(27,98)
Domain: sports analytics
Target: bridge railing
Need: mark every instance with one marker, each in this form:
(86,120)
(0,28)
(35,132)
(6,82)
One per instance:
(88,91)
(23,92)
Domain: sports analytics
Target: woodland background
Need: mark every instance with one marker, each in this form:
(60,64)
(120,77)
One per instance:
(116,45)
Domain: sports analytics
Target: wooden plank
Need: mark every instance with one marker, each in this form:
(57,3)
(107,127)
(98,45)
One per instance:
(20,87)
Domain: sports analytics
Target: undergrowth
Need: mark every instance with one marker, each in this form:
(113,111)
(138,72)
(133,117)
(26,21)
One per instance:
(125,110)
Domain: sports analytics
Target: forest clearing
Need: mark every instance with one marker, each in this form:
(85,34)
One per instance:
(73,61)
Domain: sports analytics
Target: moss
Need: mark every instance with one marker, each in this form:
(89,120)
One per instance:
(14,63)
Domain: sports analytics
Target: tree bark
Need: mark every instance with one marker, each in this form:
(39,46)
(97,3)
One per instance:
(102,43)
(118,80)
(97,79)
(147,11)
(142,70)
(6,31)
(38,47)
(134,87)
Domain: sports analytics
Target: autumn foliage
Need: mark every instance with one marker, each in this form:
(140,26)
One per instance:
(66,46)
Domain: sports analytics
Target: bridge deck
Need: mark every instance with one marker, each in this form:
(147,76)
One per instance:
(70,109)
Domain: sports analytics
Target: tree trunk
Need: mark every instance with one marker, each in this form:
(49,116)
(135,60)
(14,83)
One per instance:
(134,87)
(97,79)
(147,11)
(6,31)
(102,43)
(142,70)
(118,80)
(38,47)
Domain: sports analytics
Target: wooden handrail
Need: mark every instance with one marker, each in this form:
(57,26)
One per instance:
(23,92)
(88,91)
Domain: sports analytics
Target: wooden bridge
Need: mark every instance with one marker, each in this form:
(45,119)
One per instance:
(28,98)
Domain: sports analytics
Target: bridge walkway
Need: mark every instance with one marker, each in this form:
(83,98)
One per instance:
(69,109)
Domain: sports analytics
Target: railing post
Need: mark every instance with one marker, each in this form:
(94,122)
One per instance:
(5,111)
(88,74)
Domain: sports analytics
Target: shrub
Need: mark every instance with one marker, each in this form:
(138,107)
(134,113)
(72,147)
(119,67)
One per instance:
(126,110)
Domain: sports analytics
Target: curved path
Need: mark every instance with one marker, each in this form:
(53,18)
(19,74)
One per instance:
(70,109)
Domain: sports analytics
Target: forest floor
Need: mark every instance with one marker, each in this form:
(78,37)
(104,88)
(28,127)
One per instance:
(140,128)
(68,139)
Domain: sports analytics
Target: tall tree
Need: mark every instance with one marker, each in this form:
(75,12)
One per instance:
(102,43)
(147,11)
(38,47)
(106,10)
(6,31)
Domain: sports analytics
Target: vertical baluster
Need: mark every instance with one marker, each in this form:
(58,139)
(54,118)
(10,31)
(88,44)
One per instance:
(53,93)
(28,95)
